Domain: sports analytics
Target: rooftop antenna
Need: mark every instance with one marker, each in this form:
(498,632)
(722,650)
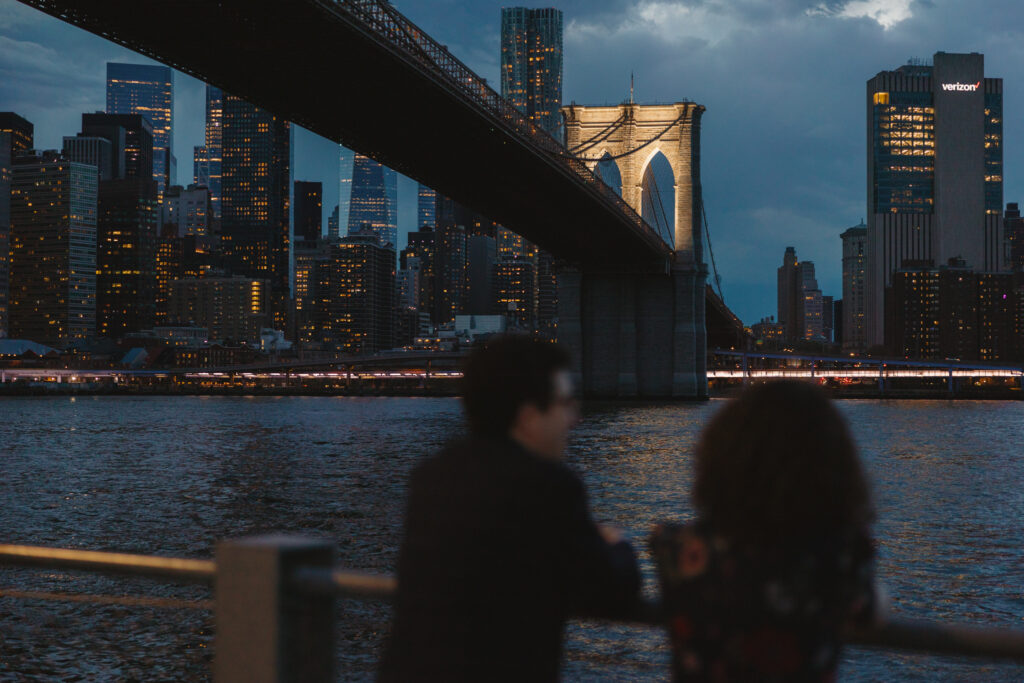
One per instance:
(631,87)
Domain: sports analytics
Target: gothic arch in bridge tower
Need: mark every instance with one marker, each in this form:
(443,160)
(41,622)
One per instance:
(633,134)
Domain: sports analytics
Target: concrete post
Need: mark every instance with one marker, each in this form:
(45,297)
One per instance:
(949,383)
(267,632)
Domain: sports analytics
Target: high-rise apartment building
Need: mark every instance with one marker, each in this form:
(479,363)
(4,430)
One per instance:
(531,79)
(935,172)
(127,232)
(22,132)
(374,200)
(232,308)
(255,184)
(147,90)
(531,63)
(53,250)
(309,207)
(356,294)
(854,265)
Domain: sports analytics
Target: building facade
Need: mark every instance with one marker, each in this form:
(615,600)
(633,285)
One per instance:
(131,139)
(234,309)
(189,209)
(854,337)
(309,207)
(214,145)
(356,294)
(255,204)
(52,295)
(127,232)
(22,132)
(373,201)
(426,207)
(147,90)
(531,63)
(935,172)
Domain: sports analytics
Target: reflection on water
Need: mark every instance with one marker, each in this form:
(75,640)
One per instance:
(170,476)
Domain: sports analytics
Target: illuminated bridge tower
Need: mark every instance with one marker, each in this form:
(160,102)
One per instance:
(641,333)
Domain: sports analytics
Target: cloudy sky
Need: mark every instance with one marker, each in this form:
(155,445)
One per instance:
(783,82)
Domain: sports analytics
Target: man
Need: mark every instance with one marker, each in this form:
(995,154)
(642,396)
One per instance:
(499,547)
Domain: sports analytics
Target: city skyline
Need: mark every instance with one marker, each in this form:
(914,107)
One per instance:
(800,179)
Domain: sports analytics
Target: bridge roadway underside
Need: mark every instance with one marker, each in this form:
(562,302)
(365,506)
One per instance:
(318,68)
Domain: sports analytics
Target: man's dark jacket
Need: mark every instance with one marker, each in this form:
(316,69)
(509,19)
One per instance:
(499,550)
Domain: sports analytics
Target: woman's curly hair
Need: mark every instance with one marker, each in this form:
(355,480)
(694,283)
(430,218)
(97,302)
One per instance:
(777,466)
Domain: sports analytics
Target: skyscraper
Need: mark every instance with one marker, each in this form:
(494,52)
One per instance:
(214,145)
(308,211)
(21,130)
(346,160)
(854,262)
(131,139)
(799,299)
(148,90)
(127,217)
(53,250)
(531,79)
(374,200)
(356,294)
(531,63)
(333,226)
(426,208)
(935,172)
(255,185)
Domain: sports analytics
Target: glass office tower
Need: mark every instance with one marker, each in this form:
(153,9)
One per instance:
(934,172)
(147,90)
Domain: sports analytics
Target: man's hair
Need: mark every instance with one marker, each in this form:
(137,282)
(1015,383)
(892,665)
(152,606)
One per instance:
(504,374)
(778,466)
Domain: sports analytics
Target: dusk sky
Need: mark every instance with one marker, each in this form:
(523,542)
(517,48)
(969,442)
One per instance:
(783,81)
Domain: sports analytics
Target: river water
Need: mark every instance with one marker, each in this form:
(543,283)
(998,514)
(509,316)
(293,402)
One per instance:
(172,475)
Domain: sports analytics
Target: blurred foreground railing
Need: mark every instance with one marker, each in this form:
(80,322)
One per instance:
(274,607)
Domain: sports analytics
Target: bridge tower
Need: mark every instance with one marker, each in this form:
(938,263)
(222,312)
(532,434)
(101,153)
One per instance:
(640,332)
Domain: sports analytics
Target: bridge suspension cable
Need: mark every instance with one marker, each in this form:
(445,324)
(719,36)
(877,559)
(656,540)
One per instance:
(711,252)
(601,136)
(653,199)
(570,155)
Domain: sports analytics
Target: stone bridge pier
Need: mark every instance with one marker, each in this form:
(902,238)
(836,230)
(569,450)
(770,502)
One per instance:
(640,332)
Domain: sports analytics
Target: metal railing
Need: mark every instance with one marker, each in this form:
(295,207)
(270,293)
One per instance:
(274,607)
(391,28)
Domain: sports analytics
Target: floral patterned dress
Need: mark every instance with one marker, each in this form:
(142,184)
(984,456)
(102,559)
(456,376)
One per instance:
(756,614)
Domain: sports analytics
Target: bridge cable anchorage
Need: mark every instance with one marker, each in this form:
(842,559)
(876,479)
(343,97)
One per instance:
(711,252)
(601,135)
(632,151)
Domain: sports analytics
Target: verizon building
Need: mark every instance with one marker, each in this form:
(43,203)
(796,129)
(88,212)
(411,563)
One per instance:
(935,172)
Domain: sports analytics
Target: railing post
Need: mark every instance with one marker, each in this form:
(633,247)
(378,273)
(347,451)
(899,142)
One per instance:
(266,632)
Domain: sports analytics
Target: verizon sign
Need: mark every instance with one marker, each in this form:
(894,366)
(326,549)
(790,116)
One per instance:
(966,87)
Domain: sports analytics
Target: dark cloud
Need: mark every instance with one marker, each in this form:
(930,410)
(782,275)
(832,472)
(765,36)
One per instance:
(783,81)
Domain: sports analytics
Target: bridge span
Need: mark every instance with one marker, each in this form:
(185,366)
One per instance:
(632,302)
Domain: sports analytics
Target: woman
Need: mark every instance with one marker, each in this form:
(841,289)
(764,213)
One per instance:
(779,558)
